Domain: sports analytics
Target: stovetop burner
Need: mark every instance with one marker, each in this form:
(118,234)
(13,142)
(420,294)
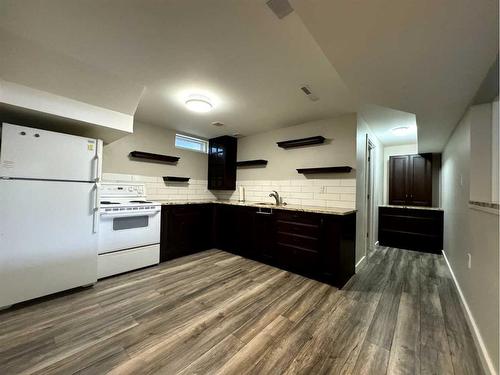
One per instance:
(141,202)
(109,202)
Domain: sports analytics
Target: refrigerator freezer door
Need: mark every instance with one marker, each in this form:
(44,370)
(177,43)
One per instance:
(47,242)
(40,154)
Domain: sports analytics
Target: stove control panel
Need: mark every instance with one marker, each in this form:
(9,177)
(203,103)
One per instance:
(122,190)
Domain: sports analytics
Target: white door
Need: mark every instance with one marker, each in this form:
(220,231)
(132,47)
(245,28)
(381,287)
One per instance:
(47,241)
(40,154)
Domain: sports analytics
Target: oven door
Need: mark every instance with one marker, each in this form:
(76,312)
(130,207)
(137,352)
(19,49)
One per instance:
(129,229)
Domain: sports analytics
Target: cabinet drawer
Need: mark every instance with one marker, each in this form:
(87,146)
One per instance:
(427,225)
(300,240)
(409,228)
(297,258)
(306,229)
(298,217)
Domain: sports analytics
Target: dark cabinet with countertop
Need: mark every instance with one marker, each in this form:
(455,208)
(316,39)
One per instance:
(299,241)
(264,231)
(320,246)
(222,163)
(411,228)
(185,229)
(410,180)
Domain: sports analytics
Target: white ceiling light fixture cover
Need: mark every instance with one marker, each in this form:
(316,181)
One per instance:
(198,103)
(401,130)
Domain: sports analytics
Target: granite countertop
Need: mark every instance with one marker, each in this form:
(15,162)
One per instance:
(288,207)
(412,207)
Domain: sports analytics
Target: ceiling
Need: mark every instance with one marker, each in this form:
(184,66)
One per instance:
(425,58)
(238,53)
(382,120)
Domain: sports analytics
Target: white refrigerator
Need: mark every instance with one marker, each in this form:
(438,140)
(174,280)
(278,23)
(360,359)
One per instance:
(49,212)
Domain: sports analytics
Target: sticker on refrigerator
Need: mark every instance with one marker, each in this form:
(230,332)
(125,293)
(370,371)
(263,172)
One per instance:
(8,164)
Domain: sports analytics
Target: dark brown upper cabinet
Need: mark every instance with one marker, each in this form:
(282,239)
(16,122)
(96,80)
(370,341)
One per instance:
(410,180)
(222,163)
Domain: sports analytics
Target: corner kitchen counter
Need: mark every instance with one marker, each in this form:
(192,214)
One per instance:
(289,207)
(317,242)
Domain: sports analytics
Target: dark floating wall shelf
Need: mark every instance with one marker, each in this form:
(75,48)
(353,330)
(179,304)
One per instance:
(343,169)
(155,157)
(302,142)
(175,179)
(251,163)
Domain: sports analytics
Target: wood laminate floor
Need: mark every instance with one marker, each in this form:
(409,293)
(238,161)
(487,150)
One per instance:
(217,313)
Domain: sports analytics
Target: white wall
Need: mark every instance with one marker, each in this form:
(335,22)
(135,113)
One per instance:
(495,156)
(363,130)
(280,173)
(16,95)
(480,118)
(339,149)
(471,231)
(156,140)
(393,151)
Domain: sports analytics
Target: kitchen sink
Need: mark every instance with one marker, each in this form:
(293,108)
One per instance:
(265,204)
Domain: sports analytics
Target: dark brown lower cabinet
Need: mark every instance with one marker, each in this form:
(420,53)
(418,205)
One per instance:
(411,228)
(319,246)
(185,229)
(263,236)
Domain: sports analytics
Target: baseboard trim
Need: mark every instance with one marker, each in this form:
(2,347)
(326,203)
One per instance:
(486,361)
(360,262)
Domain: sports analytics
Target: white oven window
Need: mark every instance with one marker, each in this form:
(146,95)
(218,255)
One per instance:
(130,222)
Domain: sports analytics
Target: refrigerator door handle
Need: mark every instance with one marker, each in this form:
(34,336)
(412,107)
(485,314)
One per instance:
(97,159)
(97,206)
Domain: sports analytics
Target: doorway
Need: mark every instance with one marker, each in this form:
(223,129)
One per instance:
(369,196)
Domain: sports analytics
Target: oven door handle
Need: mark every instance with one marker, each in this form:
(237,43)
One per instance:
(129,213)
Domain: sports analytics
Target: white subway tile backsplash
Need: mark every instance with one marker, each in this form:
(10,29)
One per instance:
(313,202)
(348,182)
(327,196)
(341,204)
(309,192)
(301,195)
(311,189)
(341,189)
(288,189)
(348,197)
(323,182)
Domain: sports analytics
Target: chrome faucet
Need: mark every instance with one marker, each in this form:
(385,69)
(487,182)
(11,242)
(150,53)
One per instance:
(276,196)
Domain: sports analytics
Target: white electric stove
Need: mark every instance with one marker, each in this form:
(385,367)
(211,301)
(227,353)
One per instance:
(129,226)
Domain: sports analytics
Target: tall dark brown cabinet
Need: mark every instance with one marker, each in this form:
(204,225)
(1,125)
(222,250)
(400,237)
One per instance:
(410,180)
(222,163)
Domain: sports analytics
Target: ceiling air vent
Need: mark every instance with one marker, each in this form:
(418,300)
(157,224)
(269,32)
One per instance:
(307,90)
(281,8)
(217,123)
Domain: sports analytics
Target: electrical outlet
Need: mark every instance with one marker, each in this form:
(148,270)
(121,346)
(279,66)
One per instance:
(469,260)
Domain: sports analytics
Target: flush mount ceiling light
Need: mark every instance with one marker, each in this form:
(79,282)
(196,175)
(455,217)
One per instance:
(401,130)
(198,103)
